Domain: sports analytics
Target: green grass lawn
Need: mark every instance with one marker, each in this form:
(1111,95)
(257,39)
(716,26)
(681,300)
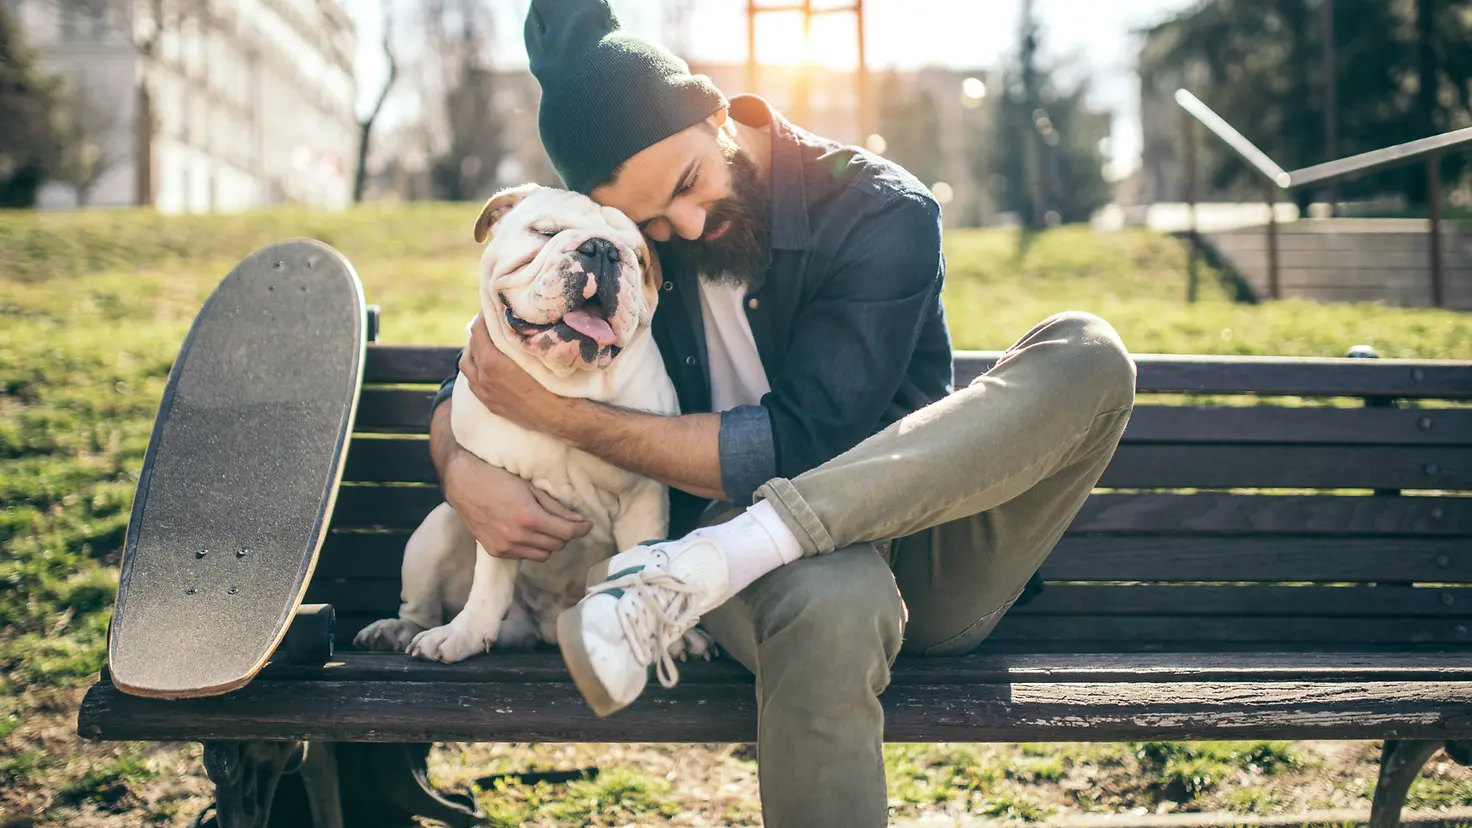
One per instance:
(92,310)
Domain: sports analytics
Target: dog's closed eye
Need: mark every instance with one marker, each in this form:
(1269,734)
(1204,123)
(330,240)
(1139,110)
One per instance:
(544,230)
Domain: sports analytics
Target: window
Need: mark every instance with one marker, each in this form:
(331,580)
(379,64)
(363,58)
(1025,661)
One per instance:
(82,19)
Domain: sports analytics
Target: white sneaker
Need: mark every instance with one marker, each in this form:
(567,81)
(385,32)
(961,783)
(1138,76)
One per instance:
(632,617)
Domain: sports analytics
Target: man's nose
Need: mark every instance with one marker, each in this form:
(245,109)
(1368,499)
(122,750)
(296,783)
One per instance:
(689,222)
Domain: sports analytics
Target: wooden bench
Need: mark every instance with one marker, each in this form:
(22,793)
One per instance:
(1295,569)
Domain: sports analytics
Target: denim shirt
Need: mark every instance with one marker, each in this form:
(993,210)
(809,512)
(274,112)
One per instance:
(847,319)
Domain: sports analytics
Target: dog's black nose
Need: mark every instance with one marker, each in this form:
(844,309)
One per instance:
(598,251)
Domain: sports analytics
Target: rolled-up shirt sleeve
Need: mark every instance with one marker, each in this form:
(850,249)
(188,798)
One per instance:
(748,453)
(447,387)
(849,351)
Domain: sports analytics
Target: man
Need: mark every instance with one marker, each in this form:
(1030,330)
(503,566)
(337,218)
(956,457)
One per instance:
(802,326)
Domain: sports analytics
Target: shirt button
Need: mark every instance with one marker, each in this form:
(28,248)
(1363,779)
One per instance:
(690,360)
(752,303)
(668,286)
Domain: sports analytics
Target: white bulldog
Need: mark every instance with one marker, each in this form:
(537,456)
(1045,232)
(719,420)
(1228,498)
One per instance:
(568,290)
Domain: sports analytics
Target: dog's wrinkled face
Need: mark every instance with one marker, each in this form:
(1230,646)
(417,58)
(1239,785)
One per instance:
(569,282)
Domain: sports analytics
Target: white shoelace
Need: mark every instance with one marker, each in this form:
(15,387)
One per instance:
(649,622)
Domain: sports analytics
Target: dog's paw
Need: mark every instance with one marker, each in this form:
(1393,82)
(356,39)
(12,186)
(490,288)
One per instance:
(449,644)
(695,642)
(389,635)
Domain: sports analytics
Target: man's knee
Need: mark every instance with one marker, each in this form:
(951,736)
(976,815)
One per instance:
(1095,361)
(836,616)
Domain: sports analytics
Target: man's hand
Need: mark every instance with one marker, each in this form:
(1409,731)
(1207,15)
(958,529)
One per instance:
(500,384)
(509,516)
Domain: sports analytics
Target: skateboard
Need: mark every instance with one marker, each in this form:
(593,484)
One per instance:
(240,477)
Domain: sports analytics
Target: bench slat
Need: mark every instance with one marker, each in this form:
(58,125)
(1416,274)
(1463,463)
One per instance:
(1189,630)
(1278,376)
(407,411)
(381,595)
(395,507)
(409,364)
(982,668)
(1261,558)
(370,711)
(1210,512)
(1176,465)
(1110,558)
(1286,376)
(1150,465)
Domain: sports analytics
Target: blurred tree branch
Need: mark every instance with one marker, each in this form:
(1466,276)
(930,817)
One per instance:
(468,146)
(366,134)
(27,98)
(85,151)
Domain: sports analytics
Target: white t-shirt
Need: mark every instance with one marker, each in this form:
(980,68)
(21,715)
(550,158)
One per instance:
(736,373)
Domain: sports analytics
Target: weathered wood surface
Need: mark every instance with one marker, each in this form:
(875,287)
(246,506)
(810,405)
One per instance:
(1260,558)
(985,668)
(1180,465)
(1136,465)
(1221,512)
(1111,558)
(361,595)
(372,711)
(362,506)
(1127,633)
(1279,376)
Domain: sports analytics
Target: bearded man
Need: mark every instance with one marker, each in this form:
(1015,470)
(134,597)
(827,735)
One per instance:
(834,501)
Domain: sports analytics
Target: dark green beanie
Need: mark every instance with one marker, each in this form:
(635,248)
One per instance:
(606,94)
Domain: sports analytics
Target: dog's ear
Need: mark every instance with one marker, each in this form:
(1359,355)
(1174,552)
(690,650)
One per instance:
(653,270)
(499,205)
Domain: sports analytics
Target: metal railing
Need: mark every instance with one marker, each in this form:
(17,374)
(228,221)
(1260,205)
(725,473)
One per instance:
(1276,180)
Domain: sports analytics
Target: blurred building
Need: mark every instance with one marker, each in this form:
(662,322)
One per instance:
(832,111)
(960,121)
(219,107)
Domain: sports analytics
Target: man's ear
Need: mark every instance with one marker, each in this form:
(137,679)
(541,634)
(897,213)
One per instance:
(499,205)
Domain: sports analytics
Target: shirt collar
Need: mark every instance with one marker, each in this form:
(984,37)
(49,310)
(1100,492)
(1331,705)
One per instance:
(789,198)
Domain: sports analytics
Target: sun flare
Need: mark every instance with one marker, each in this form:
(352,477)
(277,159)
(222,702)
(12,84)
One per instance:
(833,42)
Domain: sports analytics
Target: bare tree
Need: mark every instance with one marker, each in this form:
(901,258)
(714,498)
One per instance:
(365,135)
(27,99)
(467,145)
(85,147)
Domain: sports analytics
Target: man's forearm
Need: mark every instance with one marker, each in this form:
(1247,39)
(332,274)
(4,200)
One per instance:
(442,444)
(683,452)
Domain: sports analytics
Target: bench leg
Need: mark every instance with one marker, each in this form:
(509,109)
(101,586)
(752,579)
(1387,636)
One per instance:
(1400,763)
(387,785)
(323,785)
(246,776)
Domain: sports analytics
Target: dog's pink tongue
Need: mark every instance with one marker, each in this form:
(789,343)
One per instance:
(595,328)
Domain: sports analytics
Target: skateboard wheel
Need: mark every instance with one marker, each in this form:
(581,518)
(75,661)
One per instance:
(309,638)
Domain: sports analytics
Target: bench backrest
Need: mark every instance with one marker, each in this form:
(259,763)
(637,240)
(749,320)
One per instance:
(1255,503)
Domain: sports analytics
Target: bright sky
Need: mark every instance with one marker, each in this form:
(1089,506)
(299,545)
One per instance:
(899,33)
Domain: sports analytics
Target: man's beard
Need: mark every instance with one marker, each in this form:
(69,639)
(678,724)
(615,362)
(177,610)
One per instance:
(741,255)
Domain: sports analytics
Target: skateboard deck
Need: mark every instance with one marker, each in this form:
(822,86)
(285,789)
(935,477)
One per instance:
(241,474)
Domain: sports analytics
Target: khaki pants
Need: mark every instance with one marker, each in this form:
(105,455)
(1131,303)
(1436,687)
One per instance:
(918,540)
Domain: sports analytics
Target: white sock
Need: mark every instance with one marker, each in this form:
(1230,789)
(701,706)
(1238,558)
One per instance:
(755,542)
